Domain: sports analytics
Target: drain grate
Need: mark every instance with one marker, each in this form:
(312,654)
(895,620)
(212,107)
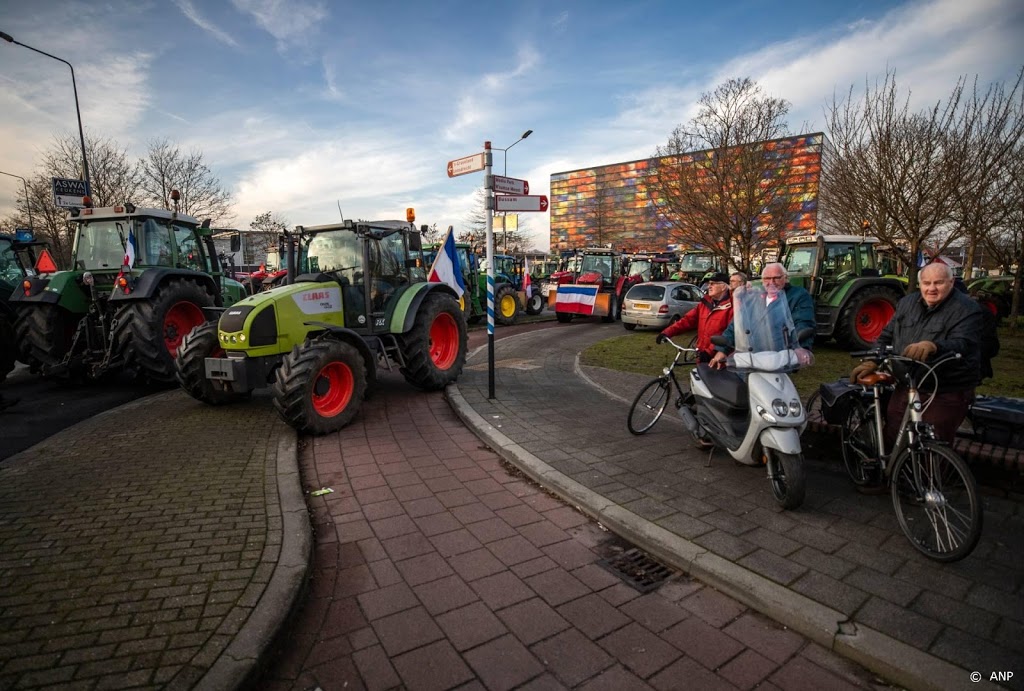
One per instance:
(638,570)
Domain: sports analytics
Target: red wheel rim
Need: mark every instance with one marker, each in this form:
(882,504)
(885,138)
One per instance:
(991,307)
(872,318)
(180,320)
(332,389)
(444,341)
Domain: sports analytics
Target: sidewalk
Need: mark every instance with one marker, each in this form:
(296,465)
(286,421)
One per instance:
(838,570)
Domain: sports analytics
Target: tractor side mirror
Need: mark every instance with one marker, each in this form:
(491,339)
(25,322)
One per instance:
(236,242)
(415,241)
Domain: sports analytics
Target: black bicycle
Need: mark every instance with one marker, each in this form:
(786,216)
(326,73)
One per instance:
(650,404)
(933,490)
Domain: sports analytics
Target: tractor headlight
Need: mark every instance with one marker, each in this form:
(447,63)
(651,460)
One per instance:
(241,337)
(780,408)
(794,407)
(765,415)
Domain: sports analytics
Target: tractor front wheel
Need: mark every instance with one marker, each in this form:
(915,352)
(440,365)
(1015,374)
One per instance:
(190,367)
(147,333)
(865,315)
(535,304)
(435,348)
(320,386)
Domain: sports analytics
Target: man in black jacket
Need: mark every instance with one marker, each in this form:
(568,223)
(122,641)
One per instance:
(936,321)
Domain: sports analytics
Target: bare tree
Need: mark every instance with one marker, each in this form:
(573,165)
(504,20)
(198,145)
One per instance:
(896,167)
(1006,243)
(166,167)
(717,183)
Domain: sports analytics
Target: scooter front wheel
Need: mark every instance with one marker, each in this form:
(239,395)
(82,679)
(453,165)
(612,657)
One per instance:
(786,475)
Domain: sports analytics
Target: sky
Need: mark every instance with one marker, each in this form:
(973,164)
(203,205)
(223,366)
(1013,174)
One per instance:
(302,106)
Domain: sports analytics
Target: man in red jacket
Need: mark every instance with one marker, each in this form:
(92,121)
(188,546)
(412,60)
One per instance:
(710,317)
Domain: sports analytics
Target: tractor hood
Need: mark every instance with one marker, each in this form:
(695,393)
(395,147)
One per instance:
(272,322)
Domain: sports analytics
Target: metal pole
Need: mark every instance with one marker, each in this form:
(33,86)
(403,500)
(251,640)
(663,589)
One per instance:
(489,225)
(28,204)
(78,111)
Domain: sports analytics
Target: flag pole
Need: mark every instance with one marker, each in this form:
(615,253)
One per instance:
(489,221)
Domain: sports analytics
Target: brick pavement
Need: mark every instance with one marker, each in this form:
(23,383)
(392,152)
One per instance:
(153,546)
(838,569)
(436,567)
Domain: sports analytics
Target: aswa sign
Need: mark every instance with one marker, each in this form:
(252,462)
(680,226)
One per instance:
(68,193)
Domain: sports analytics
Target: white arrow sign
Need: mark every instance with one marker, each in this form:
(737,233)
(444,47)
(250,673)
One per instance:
(466,164)
(520,203)
(510,185)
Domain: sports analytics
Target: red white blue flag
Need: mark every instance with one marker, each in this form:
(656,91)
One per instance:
(446,267)
(527,283)
(575,298)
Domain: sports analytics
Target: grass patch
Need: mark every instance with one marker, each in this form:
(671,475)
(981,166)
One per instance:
(637,352)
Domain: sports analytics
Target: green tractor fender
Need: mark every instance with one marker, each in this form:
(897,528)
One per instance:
(62,289)
(341,333)
(842,293)
(150,280)
(408,305)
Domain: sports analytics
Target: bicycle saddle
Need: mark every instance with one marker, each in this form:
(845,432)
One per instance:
(876,378)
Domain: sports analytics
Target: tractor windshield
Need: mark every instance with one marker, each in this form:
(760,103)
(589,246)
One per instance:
(339,252)
(98,245)
(696,262)
(800,259)
(601,263)
(10,270)
(640,267)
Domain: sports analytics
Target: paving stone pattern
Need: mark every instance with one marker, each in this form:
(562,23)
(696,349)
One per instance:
(435,567)
(841,548)
(133,548)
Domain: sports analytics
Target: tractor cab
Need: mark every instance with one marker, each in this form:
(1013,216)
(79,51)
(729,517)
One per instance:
(694,266)
(823,263)
(371,262)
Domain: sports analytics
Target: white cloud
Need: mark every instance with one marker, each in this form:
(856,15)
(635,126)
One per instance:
(288,21)
(193,15)
(482,100)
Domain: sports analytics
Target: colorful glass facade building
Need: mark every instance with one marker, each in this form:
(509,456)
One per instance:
(614,198)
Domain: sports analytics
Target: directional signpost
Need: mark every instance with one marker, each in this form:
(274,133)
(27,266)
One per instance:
(68,193)
(510,185)
(466,164)
(504,202)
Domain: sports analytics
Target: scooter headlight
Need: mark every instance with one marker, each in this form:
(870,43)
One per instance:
(780,408)
(794,407)
(765,415)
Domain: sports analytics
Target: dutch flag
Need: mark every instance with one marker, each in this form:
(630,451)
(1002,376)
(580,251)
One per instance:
(446,267)
(130,248)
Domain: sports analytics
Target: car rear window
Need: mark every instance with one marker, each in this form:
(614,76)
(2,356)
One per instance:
(646,292)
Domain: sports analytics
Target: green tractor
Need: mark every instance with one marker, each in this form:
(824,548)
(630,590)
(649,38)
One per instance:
(359,299)
(141,279)
(853,299)
(18,254)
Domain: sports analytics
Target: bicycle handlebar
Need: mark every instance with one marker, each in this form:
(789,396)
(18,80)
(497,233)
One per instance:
(680,348)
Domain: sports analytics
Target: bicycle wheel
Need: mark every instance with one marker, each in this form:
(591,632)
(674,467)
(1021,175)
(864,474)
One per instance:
(859,438)
(649,405)
(936,502)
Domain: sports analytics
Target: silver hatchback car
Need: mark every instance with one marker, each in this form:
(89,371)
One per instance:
(658,303)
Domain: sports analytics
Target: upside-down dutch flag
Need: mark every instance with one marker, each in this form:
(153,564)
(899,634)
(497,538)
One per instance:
(446,267)
(527,282)
(578,299)
(131,247)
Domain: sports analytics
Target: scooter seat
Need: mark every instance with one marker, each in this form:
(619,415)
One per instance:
(724,385)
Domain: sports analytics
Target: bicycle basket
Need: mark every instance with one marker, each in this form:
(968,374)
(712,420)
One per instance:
(836,399)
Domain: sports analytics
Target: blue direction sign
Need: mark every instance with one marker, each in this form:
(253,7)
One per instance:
(68,193)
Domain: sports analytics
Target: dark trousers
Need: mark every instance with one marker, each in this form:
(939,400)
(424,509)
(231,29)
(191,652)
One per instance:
(945,413)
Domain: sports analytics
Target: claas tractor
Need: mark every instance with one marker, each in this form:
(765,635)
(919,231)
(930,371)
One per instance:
(140,280)
(359,300)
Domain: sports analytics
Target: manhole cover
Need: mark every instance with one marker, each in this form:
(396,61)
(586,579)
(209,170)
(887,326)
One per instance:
(637,569)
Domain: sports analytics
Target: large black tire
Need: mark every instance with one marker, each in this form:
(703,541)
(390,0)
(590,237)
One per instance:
(435,348)
(613,305)
(147,333)
(563,317)
(506,306)
(8,346)
(44,333)
(320,386)
(190,367)
(865,315)
(786,475)
(535,304)
(859,444)
(629,327)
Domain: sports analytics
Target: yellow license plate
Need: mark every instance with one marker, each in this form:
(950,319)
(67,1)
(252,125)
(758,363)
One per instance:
(641,306)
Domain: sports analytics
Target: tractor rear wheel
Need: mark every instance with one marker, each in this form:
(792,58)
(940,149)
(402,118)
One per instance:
(563,317)
(190,367)
(8,346)
(613,310)
(44,333)
(865,315)
(506,306)
(147,333)
(320,386)
(435,348)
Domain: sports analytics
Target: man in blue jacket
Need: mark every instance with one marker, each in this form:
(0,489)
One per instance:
(775,280)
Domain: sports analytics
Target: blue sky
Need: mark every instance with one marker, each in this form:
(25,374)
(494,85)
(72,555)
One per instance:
(299,104)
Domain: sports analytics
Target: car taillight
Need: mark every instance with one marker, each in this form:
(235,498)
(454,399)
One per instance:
(663,309)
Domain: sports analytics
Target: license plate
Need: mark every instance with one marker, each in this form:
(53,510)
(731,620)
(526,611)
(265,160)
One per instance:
(219,368)
(641,306)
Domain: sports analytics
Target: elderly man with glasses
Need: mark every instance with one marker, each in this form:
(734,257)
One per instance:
(775,280)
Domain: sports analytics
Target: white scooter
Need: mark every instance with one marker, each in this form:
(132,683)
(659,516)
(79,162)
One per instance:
(751,408)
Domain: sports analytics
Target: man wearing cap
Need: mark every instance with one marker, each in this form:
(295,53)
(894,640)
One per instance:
(710,317)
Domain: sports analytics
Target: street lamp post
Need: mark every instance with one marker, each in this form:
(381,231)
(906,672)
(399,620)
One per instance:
(504,156)
(74,86)
(28,204)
